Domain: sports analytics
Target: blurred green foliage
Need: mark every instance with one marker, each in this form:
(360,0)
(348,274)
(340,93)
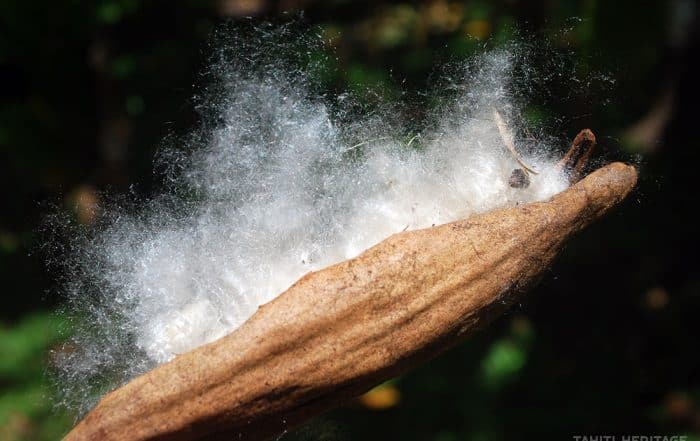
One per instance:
(26,409)
(610,343)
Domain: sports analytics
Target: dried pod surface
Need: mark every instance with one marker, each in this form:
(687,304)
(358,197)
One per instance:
(339,331)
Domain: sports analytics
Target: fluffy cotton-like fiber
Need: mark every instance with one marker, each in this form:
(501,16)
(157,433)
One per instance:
(275,184)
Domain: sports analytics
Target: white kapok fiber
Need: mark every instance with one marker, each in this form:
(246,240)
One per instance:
(274,184)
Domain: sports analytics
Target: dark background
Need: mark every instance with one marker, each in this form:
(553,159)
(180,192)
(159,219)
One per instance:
(607,344)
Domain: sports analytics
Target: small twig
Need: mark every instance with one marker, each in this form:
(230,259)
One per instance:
(576,159)
(410,141)
(529,134)
(365,142)
(507,138)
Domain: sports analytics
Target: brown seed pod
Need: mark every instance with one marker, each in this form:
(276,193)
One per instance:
(337,332)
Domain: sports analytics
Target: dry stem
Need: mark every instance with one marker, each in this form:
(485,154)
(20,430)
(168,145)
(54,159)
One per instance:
(507,138)
(576,159)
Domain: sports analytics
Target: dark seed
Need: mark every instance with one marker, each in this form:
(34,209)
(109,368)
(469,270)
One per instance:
(519,179)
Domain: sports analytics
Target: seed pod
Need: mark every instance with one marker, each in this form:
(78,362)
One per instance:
(337,332)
